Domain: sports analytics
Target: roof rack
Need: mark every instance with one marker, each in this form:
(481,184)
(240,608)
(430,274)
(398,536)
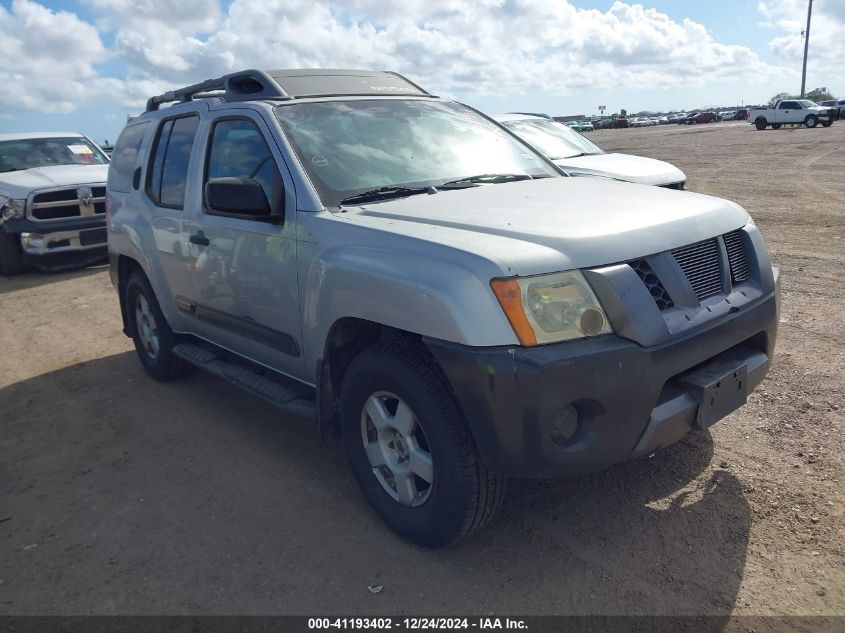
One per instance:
(292,84)
(248,84)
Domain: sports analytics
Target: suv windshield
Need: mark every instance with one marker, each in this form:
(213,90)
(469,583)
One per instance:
(350,147)
(45,152)
(553,139)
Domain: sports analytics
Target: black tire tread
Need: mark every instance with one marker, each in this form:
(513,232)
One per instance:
(489,486)
(11,263)
(168,367)
(486,488)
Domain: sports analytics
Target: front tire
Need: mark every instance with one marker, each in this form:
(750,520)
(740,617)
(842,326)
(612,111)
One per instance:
(827,123)
(776,126)
(11,263)
(411,450)
(811,121)
(153,338)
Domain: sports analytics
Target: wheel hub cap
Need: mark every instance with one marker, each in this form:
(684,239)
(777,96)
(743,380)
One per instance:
(397,449)
(146,326)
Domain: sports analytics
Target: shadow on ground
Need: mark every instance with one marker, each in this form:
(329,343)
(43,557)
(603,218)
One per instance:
(127,496)
(32,278)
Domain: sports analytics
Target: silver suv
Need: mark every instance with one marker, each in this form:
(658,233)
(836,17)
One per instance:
(427,287)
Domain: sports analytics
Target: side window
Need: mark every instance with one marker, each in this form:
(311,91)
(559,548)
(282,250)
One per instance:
(125,157)
(169,164)
(789,105)
(238,149)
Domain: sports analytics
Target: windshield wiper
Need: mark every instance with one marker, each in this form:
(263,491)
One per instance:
(492,179)
(386,193)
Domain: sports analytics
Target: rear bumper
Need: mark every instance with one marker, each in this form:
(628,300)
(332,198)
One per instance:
(630,400)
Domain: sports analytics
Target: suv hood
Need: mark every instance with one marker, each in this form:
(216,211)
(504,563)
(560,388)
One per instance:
(554,224)
(18,184)
(646,171)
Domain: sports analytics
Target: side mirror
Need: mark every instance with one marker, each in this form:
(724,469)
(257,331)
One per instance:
(239,196)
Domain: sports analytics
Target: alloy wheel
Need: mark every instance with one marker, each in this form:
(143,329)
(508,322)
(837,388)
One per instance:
(397,449)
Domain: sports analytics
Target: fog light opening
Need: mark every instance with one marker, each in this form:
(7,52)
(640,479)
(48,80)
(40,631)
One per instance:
(565,425)
(32,240)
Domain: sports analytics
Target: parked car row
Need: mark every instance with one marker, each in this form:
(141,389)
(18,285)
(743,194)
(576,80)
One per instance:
(683,118)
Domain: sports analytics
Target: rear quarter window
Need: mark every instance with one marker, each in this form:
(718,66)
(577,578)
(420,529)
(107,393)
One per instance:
(125,157)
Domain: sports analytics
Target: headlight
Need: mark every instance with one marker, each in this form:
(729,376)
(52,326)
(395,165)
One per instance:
(10,208)
(551,308)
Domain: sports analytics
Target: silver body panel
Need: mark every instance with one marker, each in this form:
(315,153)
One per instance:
(421,264)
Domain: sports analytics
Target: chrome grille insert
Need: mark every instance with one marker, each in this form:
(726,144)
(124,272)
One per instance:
(69,202)
(700,263)
(736,256)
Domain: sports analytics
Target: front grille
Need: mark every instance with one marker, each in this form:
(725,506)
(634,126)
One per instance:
(700,263)
(56,196)
(655,287)
(68,203)
(737,257)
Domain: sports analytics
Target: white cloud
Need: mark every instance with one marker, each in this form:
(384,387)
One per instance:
(827,29)
(48,58)
(483,47)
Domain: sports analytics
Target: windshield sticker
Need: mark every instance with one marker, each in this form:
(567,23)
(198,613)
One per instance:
(80,149)
(319,161)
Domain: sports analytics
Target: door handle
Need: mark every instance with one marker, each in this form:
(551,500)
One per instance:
(199,238)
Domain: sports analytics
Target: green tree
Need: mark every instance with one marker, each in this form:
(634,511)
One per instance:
(623,112)
(819,94)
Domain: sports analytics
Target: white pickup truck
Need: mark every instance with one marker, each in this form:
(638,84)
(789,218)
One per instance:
(52,201)
(791,112)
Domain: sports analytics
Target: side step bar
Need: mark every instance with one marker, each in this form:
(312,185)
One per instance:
(262,386)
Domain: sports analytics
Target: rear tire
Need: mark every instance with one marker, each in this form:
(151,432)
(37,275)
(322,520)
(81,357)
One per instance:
(11,263)
(827,123)
(384,386)
(811,121)
(776,126)
(760,123)
(154,340)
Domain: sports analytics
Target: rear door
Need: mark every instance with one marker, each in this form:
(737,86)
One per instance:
(167,185)
(245,295)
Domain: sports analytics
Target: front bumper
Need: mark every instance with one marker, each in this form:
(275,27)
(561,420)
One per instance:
(60,244)
(631,400)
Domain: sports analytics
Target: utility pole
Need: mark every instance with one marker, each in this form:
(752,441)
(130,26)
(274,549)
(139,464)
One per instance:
(806,48)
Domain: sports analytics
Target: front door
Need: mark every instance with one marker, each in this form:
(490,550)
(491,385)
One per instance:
(245,295)
(789,112)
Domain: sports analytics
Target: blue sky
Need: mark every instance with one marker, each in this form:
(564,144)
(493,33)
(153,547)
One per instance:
(84,64)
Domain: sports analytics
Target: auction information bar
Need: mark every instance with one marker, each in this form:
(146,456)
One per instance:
(534,624)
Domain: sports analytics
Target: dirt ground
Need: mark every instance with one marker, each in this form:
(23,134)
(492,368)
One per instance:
(121,495)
